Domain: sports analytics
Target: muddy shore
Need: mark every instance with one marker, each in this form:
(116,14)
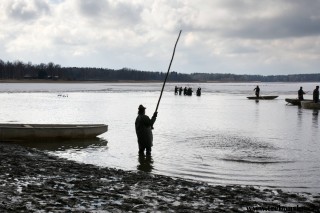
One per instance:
(33,181)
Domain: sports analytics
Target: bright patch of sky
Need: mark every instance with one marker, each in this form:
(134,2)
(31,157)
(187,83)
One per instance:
(218,36)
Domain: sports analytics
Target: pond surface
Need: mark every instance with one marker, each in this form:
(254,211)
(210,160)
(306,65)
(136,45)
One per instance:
(220,137)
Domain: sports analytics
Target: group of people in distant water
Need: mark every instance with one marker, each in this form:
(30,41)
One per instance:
(186,91)
(315,94)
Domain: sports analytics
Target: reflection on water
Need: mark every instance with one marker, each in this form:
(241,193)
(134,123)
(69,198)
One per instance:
(145,163)
(315,112)
(315,118)
(62,145)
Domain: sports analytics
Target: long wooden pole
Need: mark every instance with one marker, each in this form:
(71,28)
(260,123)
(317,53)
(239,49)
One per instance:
(165,80)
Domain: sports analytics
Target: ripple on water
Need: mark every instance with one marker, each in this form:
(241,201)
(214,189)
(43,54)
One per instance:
(237,148)
(230,158)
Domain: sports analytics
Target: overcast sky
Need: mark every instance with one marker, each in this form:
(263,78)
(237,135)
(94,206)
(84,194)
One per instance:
(262,37)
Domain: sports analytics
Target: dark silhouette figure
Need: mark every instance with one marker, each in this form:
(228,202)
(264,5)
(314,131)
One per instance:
(257,89)
(185,91)
(189,91)
(316,95)
(199,91)
(143,126)
(180,90)
(176,90)
(300,94)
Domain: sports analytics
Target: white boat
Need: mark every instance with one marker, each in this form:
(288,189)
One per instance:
(310,105)
(50,131)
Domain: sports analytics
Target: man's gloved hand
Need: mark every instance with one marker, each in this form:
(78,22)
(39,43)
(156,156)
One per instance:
(155,114)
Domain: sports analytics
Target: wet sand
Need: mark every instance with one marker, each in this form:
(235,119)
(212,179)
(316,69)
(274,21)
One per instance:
(33,181)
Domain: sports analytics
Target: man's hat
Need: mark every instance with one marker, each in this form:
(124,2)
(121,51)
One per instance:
(141,107)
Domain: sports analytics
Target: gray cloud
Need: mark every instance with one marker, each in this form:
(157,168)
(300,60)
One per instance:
(292,19)
(119,12)
(26,11)
(277,27)
(93,8)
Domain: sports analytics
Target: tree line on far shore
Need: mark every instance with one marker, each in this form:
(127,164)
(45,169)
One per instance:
(18,70)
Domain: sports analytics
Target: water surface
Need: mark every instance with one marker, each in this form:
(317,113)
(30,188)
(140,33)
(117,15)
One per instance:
(220,137)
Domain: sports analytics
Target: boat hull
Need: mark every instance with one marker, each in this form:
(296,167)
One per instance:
(270,97)
(50,131)
(310,105)
(294,101)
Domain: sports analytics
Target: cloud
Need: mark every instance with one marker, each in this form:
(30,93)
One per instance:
(109,13)
(293,22)
(22,10)
(257,19)
(218,36)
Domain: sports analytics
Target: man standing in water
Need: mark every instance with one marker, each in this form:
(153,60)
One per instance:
(316,95)
(300,94)
(257,89)
(143,126)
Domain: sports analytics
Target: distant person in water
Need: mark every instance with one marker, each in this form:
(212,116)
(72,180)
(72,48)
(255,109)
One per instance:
(180,90)
(175,90)
(316,95)
(257,89)
(185,91)
(300,93)
(199,91)
(143,126)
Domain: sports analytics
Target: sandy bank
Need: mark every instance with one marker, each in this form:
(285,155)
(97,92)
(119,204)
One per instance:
(31,180)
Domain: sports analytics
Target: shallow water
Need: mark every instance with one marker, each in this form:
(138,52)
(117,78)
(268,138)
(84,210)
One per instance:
(220,137)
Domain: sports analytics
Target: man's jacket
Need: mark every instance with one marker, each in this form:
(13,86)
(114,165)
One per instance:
(144,130)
